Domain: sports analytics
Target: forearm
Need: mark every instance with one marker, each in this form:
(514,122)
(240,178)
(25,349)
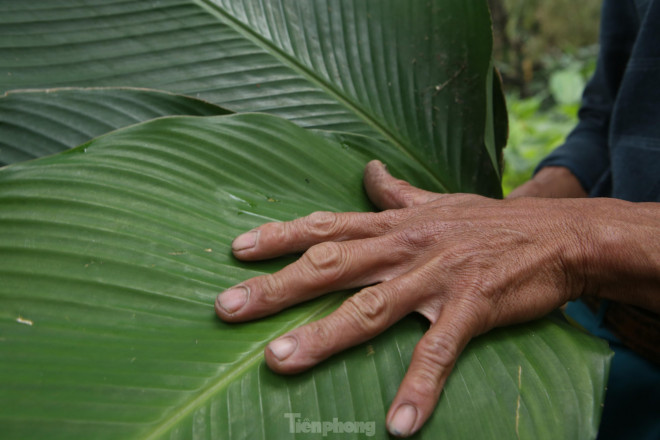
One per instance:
(552,182)
(622,252)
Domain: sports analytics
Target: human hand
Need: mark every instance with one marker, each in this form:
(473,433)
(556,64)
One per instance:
(551,182)
(465,262)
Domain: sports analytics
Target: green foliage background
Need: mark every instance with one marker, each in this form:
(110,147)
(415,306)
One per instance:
(540,123)
(545,57)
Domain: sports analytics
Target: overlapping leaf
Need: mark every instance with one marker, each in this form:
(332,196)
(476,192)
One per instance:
(36,123)
(111,255)
(413,73)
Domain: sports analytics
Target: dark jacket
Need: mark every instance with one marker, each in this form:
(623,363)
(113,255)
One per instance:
(615,149)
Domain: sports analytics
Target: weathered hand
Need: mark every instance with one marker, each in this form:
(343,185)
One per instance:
(465,262)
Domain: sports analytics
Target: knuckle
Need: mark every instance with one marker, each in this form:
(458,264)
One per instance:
(424,381)
(321,223)
(370,303)
(368,309)
(437,350)
(325,260)
(270,291)
(319,340)
(420,198)
(418,235)
(319,332)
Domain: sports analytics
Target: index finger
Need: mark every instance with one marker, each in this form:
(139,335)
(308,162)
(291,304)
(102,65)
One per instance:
(275,239)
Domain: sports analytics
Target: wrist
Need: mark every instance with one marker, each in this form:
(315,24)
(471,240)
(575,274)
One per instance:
(619,256)
(577,248)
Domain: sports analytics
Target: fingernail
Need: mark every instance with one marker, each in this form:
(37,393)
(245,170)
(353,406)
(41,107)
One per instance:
(403,421)
(245,241)
(233,299)
(283,347)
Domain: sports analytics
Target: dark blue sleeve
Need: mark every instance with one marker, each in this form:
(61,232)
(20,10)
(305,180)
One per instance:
(586,149)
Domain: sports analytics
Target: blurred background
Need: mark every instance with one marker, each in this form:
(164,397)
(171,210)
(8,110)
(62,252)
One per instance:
(546,51)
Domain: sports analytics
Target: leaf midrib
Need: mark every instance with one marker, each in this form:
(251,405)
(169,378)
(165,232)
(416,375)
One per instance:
(226,379)
(295,65)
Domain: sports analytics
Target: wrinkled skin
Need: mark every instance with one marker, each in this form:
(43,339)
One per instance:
(465,262)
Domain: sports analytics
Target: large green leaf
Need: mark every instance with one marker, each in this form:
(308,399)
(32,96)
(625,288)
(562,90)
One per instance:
(111,255)
(35,123)
(413,73)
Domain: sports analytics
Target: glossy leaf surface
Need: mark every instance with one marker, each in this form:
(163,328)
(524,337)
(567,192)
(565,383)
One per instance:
(412,73)
(36,123)
(111,256)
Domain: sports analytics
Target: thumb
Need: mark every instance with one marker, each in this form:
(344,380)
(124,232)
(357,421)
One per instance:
(387,192)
